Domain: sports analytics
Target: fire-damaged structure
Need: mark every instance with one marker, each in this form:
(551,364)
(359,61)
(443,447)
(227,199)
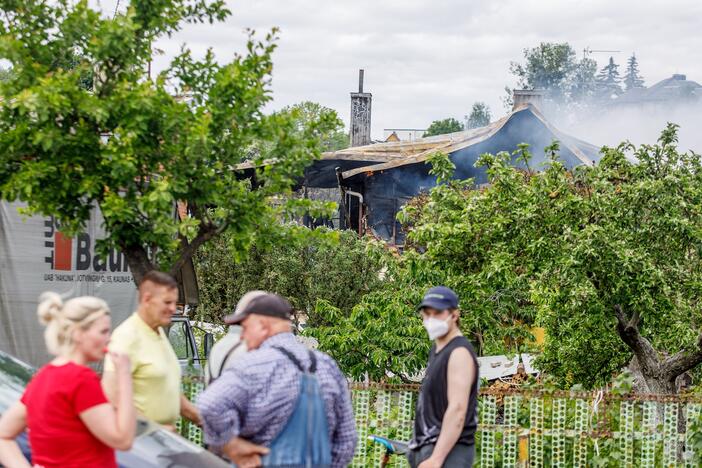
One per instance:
(373,182)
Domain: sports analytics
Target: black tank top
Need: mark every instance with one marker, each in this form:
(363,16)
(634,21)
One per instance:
(433,397)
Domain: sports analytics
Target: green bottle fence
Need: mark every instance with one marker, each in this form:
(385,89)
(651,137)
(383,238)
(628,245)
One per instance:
(537,429)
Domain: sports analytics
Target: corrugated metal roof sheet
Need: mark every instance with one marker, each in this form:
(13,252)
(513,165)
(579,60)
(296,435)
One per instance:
(392,155)
(389,155)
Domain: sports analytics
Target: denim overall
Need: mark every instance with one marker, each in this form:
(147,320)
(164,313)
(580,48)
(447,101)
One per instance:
(304,440)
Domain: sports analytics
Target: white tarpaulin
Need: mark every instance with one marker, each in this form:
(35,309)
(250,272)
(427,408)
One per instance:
(35,257)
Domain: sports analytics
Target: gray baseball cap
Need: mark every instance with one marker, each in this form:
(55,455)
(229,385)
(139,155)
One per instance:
(261,303)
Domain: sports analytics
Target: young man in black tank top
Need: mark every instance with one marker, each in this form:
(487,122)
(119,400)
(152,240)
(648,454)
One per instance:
(447,407)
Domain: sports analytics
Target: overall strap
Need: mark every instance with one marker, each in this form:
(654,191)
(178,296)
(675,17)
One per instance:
(298,364)
(223,363)
(226,358)
(313,363)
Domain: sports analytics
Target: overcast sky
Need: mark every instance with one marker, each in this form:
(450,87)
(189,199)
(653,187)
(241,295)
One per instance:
(427,60)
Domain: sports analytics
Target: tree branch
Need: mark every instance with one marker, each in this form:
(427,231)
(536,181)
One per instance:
(205,233)
(683,361)
(628,329)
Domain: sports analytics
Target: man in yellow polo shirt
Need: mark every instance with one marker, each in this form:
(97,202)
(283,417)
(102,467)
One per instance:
(155,368)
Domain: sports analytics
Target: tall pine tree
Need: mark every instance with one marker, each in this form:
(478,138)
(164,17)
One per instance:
(632,78)
(608,80)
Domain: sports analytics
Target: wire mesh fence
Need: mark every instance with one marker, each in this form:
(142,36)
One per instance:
(536,428)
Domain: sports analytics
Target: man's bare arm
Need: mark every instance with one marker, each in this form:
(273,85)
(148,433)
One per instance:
(460,378)
(189,411)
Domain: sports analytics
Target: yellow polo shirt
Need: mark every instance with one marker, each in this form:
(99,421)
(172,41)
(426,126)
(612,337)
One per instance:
(155,369)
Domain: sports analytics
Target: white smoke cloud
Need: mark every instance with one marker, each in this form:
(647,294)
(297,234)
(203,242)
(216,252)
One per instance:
(642,125)
(428,60)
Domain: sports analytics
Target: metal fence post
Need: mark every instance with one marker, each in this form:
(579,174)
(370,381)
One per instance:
(670,434)
(626,432)
(693,411)
(488,417)
(361,405)
(648,446)
(382,408)
(558,425)
(536,431)
(582,413)
(511,431)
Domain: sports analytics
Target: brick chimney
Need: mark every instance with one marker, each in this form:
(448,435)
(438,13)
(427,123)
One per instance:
(535,97)
(360,115)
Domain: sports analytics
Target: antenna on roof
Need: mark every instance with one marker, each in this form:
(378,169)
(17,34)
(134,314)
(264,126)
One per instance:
(587,51)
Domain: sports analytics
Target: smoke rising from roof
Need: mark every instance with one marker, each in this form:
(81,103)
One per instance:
(639,125)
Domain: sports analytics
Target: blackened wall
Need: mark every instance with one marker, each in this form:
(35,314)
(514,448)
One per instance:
(385,192)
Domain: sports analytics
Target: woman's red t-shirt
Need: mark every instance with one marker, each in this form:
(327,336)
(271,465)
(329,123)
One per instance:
(54,398)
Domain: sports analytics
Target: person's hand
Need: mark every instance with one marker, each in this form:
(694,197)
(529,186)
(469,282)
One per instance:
(430,463)
(253,461)
(123,365)
(243,453)
(169,427)
(196,418)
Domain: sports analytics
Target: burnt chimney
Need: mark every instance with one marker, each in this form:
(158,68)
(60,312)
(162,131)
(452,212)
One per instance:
(360,115)
(520,97)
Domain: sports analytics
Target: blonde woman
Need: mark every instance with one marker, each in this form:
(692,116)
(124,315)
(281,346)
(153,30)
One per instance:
(70,421)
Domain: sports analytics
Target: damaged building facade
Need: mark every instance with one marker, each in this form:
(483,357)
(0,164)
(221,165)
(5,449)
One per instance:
(371,183)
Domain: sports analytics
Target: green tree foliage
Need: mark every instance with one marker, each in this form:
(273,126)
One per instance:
(609,81)
(381,338)
(605,257)
(5,74)
(308,112)
(441,127)
(632,77)
(479,116)
(554,68)
(583,84)
(131,147)
(331,266)
(629,280)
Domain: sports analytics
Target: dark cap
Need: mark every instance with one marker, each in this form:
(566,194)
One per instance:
(439,298)
(261,303)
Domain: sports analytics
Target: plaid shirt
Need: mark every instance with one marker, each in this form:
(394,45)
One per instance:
(254,398)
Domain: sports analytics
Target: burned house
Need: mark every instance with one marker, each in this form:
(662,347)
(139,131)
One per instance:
(373,182)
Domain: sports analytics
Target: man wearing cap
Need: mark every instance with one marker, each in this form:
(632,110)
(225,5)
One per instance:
(226,351)
(447,407)
(253,412)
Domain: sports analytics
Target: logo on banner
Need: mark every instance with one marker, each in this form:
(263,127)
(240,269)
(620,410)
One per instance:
(68,253)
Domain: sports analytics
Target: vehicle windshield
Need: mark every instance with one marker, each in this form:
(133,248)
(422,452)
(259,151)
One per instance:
(14,375)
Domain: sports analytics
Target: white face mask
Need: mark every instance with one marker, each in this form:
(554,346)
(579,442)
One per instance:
(436,328)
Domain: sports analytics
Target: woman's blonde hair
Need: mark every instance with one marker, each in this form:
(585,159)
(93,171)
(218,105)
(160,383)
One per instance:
(62,319)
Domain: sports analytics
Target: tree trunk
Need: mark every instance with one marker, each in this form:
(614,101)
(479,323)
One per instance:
(138,260)
(648,383)
(656,372)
